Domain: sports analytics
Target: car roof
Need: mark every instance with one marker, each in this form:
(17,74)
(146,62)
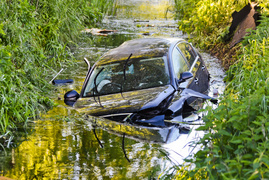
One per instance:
(139,48)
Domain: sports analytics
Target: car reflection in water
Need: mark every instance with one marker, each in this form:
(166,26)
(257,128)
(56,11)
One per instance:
(152,84)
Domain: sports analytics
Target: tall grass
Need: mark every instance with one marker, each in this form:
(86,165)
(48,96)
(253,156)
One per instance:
(205,21)
(35,36)
(106,6)
(236,146)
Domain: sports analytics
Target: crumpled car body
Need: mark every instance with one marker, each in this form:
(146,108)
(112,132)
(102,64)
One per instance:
(149,81)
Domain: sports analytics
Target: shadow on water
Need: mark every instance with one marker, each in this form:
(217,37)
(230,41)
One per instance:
(63,144)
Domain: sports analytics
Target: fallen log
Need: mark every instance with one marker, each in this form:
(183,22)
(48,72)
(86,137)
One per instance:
(246,18)
(98,32)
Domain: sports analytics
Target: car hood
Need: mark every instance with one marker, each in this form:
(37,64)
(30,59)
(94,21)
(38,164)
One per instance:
(126,102)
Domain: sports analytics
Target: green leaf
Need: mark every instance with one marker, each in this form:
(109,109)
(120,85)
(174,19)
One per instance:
(223,132)
(236,141)
(257,123)
(247,156)
(247,132)
(233,118)
(246,162)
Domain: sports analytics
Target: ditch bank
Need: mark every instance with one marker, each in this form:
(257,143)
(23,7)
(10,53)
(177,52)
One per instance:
(243,21)
(236,145)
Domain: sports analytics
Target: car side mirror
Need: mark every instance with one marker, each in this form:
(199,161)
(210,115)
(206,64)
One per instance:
(185,76)
(71,97)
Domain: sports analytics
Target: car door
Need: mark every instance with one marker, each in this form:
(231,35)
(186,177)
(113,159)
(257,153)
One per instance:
(197,67)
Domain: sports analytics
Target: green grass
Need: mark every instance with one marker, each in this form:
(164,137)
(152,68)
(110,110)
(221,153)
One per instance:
(35,37)
(236,146)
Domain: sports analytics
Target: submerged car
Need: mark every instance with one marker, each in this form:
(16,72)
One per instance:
(149,81)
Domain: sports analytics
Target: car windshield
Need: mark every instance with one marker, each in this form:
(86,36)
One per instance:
(128,75)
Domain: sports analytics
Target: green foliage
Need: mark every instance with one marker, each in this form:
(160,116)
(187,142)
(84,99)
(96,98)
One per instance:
(236,145)
(206,20)
(105,6)
(35,36)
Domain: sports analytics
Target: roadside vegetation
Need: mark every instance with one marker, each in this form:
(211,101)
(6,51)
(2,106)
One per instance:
(236,145)
(35,36)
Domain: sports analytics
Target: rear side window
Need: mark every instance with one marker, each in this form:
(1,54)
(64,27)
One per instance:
(179,63)
(188,52)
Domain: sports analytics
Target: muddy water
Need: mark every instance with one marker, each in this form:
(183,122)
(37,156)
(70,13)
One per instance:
(63,144)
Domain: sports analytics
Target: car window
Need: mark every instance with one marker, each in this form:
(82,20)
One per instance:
(179,63)
(188,52)
(125,76)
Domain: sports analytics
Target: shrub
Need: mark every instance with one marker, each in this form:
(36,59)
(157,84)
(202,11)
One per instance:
(236,145)
(35,36)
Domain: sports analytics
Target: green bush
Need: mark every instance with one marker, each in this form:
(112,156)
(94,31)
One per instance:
(35,36)
(236,145)
(205,21)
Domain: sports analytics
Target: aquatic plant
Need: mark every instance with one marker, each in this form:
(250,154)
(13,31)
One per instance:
(35,37)
(236,145)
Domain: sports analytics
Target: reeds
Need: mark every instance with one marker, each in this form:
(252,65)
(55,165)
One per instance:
(106,6)
(35,36)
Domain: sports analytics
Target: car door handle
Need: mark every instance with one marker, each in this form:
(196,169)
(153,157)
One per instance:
(196,80)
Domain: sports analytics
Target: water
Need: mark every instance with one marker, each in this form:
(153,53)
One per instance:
(63,144)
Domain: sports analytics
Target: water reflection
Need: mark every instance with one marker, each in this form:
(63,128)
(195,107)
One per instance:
(145,10)
(64,145)
(60,149)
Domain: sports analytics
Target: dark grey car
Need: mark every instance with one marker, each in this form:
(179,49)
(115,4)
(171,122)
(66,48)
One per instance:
(149,81)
